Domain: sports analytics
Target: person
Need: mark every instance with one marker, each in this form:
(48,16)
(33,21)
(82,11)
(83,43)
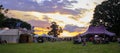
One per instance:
(96,39)
(103,40)
(4,41)
(118,40)
(35,39)
(84,41)
(113,39)
(0,40)
(77,40)
(106,40)
(91,39)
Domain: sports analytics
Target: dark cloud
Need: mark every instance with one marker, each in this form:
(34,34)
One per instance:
(45,6)
(39,23)
(73,28)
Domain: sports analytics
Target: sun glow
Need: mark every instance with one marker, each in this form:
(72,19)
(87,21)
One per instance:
(85,9)
(62,20)
(41,31)
(68,34)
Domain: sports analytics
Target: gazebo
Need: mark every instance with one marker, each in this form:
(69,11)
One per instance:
(97,30)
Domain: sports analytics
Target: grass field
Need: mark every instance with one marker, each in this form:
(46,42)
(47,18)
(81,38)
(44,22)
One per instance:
(59,47)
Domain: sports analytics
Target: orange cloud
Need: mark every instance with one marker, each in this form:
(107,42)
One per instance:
(42,20)
(65,33)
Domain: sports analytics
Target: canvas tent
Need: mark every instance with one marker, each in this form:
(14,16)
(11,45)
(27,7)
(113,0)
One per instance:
(97,30)
(25,38)
(10,35)
(15,35)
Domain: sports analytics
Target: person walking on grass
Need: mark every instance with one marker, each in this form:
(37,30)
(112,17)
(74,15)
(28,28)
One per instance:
(84,41)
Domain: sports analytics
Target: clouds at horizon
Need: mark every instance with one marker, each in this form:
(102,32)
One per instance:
(72,28)
(71,14)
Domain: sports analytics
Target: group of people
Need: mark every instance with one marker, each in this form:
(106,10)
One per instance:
(79,40)
(98,40)
(41,39)
(95,40)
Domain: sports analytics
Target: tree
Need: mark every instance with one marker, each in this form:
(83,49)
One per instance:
(10,22)
(56,30)
(108,14)
(2,17)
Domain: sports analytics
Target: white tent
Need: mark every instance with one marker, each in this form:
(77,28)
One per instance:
(36,36)
(10,35)
(45,35)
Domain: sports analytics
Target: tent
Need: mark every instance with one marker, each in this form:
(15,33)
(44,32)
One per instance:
(97,30)
(25,38)
(36,36)
(15,35)
(10,35)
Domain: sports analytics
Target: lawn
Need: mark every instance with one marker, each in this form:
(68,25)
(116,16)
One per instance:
(59,47)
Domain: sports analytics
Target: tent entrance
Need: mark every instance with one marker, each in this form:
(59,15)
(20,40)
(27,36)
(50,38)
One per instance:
(24,38)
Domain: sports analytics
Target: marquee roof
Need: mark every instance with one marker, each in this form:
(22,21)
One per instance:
(98,30)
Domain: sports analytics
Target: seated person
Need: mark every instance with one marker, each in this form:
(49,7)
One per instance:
(77,40)
(118,40)
(107,40)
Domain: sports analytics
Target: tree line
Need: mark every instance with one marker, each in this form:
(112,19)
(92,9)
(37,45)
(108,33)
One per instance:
(108,14)
(11,22)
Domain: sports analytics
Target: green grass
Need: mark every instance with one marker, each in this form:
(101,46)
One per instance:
(59,47)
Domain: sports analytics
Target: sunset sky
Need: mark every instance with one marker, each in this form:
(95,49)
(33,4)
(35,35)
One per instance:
(72,15)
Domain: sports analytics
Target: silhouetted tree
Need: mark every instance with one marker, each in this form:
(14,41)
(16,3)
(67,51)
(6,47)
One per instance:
(2,17)
(108,14)
(10,22)
(56,30)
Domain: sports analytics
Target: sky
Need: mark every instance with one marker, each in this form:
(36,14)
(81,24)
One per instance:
(72,15)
